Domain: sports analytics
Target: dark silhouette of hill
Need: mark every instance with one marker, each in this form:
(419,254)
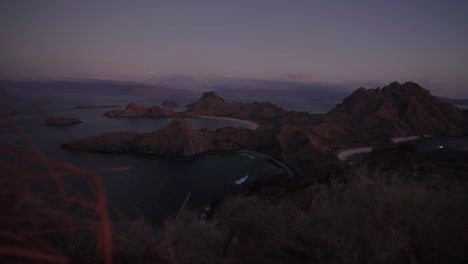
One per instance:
(400,110)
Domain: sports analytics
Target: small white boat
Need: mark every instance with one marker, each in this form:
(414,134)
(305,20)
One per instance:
(242,180)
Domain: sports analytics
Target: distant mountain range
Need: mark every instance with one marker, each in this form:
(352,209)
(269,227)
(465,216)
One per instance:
(180,86)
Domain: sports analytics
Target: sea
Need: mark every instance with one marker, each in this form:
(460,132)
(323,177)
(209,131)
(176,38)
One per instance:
(137,186)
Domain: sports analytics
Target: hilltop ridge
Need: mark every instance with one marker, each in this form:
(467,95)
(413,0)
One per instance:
(400,110)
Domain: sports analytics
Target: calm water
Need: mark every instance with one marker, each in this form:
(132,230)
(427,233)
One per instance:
(149,187)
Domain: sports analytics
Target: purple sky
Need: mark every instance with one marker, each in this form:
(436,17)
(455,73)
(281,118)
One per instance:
(325,41)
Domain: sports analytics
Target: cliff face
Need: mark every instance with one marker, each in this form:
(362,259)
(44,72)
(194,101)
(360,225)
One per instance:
(135,110)
(178,139)
(400,110)
(212,104)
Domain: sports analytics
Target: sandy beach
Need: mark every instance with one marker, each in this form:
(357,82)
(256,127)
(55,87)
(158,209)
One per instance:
(349,152)
(250,124)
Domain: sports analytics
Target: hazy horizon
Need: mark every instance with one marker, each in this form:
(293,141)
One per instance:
(358,43)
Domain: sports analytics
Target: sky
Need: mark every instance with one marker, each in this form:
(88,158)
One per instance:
(323,41)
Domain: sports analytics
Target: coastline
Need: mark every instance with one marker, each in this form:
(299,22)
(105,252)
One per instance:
(345,154)
(251,124)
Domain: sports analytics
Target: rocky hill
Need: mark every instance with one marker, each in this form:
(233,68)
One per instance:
(178,140)
(135,110)
(213,105)
(61,121)
(399,110)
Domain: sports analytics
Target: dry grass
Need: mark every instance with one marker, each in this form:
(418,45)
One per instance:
(367,220)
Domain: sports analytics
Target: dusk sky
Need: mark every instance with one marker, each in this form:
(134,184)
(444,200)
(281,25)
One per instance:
(323,41)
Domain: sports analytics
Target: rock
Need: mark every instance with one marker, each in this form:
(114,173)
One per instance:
(135,110)
(209,101)
(213,105)
(170,103)
(400,110)
(178,140)
(61,121)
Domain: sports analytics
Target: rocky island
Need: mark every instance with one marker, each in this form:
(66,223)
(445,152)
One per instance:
(135,110)
(61,121)
(178,140)
(368,117)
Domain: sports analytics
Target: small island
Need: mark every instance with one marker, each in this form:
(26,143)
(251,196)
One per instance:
(62,121)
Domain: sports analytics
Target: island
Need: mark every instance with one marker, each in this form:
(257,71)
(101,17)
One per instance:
(307,142)
(61,121)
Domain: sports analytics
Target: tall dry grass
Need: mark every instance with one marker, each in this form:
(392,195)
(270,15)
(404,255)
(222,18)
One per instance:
(369,219)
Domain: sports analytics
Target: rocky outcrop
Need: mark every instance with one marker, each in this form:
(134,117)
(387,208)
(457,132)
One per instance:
(90,106)
(61,121)
(170,103)
(178,140)
(209,101)
(135,110)
(399,110)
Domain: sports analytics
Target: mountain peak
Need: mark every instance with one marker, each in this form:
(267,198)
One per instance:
(211,94)
(401,110)
(209,100)
(179,125)
(411,90)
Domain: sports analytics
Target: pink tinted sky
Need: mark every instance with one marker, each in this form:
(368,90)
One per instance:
(324,41)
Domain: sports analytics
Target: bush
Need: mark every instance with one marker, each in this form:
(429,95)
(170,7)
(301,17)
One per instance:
(363,221)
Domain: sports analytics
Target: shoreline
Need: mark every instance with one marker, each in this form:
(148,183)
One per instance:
(345,154)
(251,124)
(409,138)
